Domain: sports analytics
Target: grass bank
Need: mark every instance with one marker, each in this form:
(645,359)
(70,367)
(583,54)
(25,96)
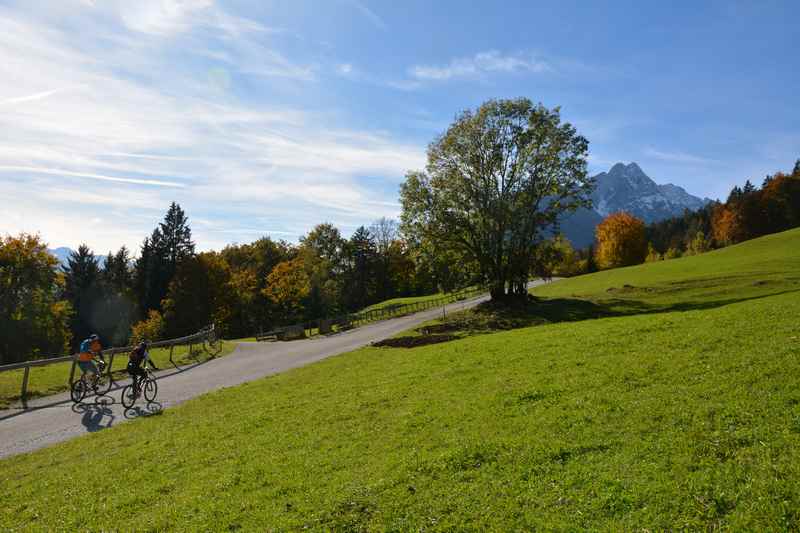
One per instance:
(670,403)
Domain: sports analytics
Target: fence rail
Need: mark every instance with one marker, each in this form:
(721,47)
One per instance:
(346,321)
(207,335)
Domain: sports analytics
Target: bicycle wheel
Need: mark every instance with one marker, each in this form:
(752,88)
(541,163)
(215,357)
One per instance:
(150,389)
(78,391)
(128,397)
(102,384)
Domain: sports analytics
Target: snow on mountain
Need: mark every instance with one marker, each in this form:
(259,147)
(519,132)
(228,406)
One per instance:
(628,188)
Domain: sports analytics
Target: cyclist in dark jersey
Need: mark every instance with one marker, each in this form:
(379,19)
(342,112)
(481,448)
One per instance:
(136,360)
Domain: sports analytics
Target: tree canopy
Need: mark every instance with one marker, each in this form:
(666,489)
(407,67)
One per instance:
(496,183)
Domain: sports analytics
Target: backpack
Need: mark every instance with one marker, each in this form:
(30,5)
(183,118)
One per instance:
(137,355)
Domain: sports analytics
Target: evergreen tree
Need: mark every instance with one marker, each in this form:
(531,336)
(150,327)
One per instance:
(361,252)
(176,238)
(118,306)
(161,254)
(748,187)
(796,170)
(83,290)
(117,271)
(735,195)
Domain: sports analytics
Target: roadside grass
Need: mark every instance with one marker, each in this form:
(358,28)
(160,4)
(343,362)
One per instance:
(669,409)
(52,379)
(412,300)
(402,301)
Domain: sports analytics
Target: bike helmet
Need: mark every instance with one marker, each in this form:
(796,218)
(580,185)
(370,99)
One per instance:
(93,337)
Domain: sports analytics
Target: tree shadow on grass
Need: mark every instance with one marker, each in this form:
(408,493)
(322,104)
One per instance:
(490,317)
(574,309)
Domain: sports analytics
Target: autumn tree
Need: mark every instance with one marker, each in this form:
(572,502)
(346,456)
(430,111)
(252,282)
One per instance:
(149,329)
(559,258)
(287,288)
(620,241)
(699,244)
(33,322)
(495,182)
(250,265)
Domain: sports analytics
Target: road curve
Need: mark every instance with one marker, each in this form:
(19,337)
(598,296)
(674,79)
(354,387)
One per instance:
(54,418)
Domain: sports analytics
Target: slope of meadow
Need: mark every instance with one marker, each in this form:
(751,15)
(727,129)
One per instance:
(662,396)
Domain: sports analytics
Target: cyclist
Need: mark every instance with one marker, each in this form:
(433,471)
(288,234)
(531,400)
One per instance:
(136,361)
(90,348)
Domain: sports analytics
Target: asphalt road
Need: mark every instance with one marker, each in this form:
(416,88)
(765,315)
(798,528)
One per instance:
(55,418)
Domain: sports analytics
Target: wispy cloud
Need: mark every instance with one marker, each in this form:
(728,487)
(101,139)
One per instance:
(34,96)
(62,172)
(370,14)
(127,143)
(678,157)
(479,65)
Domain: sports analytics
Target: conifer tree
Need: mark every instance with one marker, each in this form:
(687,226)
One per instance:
(82,289)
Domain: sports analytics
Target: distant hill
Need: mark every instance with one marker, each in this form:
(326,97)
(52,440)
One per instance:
(628,188)
(62,254)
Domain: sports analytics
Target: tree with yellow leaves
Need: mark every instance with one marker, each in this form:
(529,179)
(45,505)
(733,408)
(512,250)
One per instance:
(288,287)
(620,241)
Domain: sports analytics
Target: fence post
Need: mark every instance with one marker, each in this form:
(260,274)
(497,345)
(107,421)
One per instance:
(72,373)
(171,348)
(110,366)
(24,391)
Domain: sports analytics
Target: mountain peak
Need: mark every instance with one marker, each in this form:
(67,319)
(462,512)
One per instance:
(628,188)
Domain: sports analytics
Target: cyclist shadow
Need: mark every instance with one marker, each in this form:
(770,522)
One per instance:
(95,416)
(150,409)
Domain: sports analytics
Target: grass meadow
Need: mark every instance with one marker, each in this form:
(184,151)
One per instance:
(662,396)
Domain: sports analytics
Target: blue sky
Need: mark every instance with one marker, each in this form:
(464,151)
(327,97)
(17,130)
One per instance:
(267,117)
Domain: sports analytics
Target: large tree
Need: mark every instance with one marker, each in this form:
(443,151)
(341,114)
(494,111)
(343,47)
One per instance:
(161,254)
(33,323)
(495,185)
(199,294)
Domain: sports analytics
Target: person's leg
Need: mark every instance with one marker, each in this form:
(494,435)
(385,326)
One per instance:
(132,373)
(86,368)
(92,369)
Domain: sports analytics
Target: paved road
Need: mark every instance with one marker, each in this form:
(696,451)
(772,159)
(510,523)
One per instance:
(55,418)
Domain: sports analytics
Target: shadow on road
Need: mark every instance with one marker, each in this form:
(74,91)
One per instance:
(117,385)
(96,416)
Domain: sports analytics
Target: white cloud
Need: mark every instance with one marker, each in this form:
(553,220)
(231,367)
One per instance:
(479,65)
(678,157)
(344,69)
(370,14)
(97,135)
(33,97)
(62,172)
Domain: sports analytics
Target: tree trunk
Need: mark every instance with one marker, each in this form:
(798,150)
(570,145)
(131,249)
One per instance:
(497,291)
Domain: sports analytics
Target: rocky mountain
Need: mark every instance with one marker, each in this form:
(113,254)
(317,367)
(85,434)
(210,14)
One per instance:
(628,188)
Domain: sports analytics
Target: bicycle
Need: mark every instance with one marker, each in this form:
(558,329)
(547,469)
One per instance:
(99,383)
(145,384)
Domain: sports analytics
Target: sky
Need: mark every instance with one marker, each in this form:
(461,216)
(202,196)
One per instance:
(266,117)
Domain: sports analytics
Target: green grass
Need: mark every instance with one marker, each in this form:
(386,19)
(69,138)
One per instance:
(669,404)
(51,379)
(403,301)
